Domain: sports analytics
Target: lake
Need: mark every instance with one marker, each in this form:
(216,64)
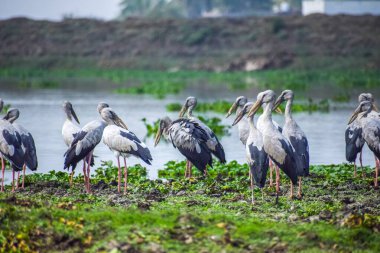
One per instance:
(41,113)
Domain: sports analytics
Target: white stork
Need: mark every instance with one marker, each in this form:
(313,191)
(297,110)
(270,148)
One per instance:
(212,143)
(190,139)
(243,125)
(370,126)
(123,143)
(27,143)
(257,158)
(276,145)
(297,138)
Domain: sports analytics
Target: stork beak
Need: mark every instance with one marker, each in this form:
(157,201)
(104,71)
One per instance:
(354,115)
(120,123)
(375,108)
(6,116)
(158,136)
(277,105)
(254,108)
(183,110)
(74,115)
(239,117)
(231,110)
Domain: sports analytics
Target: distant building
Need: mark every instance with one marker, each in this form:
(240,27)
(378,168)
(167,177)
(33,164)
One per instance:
(332,7)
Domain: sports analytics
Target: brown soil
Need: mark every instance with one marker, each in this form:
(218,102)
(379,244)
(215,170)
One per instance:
(218,44)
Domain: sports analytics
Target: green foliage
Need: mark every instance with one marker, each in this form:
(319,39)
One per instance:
(158,89)
(220,106)
(151,128)
(338,213)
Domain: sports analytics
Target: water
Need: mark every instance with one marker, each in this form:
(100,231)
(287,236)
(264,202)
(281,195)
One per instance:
(42,114)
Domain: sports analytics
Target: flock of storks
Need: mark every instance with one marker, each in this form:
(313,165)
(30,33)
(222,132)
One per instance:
(267,145)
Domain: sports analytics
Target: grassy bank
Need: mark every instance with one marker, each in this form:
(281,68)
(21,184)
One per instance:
(337,213)
(162,83)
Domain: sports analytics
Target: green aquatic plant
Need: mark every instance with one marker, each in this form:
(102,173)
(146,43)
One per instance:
(151,128)
(158,89)
(338,213)
(219,106)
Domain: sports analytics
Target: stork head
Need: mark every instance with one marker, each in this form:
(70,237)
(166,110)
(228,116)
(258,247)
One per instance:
(264,97)
(12,115)
(163,127)
(1,104)
(109,116)
(101,106)
(361,111)
(285,95)
(243,112)
(68,108)
(239,102)
(189,104)
(368,97)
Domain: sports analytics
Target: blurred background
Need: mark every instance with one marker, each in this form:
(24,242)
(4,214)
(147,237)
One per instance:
(144,57)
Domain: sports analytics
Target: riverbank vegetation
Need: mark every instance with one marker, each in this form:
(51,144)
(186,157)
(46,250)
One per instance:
(337,213)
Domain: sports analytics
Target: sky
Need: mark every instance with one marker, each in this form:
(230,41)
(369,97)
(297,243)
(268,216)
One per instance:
(56,9)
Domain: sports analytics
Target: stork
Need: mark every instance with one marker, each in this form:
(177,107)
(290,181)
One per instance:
(297,138)
(84,144)
(257,158)
(212,142)
(27,143)
(353,134)
(370,131)
(70,130)
(275,144)
(10,149)
(123,142)
(243,128)
(190,139)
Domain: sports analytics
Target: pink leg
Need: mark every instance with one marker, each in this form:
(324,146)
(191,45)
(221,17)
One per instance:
(291,190)
(252,196)
(125,176)
(299,187)
(187,168)
(23,176)
(355,168)
(2,174)
(84,174)
(88,172)
(270,173)
(118,174)
(191,170)
(17,179)
(277,179)
(376,173)
(13,180)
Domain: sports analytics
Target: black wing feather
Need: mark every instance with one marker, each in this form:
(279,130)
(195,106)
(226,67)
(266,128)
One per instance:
(142,152)
(259,166)
(17,159)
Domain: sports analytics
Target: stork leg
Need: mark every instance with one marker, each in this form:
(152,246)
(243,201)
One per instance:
(17,179)
(270,173)
(71,177)
(291,190)
(299,187)
(376,173)
(118,174)
(187,168)
(277,179)
(23,177)
(84,174)
(190,169)
(355,168)
(361,163)
(13,180)
(125,175)
(2,174)
(252,197)
(88,172)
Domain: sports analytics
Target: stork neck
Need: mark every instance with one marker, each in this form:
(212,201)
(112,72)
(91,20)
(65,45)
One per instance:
(288,109)
(267,114)
(251,122)
(190,112)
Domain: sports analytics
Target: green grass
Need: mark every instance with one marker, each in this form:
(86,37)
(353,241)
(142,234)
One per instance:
(222,106)
(162,83)
(338,213)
